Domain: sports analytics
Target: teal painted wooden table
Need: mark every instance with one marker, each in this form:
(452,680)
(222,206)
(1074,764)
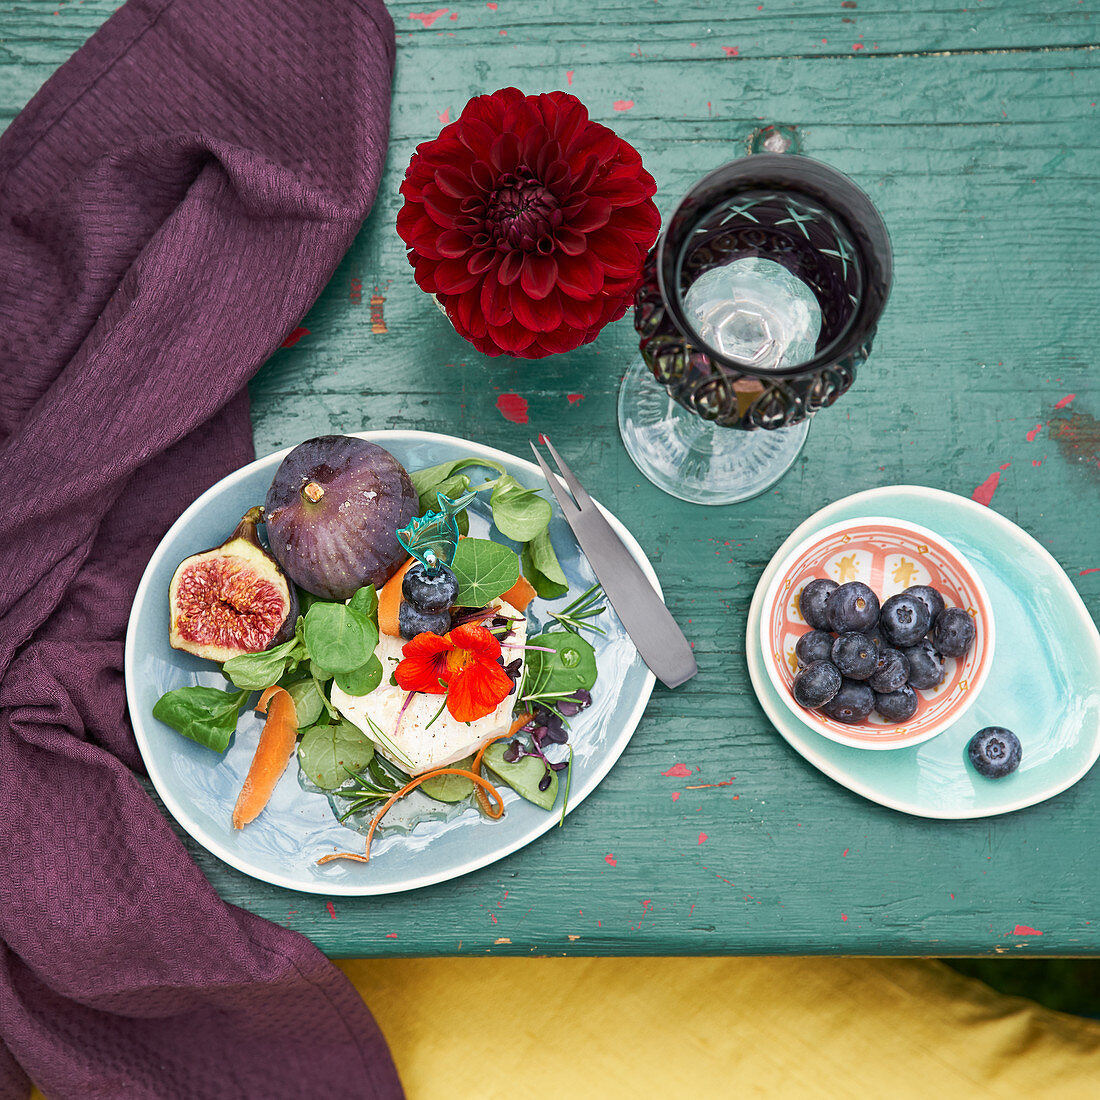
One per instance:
(976,133)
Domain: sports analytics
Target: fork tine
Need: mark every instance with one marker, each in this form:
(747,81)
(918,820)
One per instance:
(577,489)
(568,505)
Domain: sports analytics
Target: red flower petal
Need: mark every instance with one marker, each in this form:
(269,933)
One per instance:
(539,275)
(424,664)
(580,276)
(477,691)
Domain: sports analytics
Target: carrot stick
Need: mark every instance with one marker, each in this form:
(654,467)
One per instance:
(483,784)
(273,753)
(520,721)
(389,602)
(520,594)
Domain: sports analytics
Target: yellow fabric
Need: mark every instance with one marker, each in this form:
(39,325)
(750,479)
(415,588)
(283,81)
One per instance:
(607,1028)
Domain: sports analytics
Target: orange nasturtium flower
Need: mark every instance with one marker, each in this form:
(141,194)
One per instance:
(463,664)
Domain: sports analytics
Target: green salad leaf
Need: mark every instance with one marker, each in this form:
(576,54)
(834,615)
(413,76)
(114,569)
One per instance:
(339,638)
(484,570)
(256,671)
(362,680)
(568,666)
(327,753)
(542,568)
(519,513)
(204,714)
(523,776)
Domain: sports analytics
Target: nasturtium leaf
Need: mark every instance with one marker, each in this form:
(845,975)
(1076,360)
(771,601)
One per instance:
(326,750)
(204,714)
(484,570)
(523,776)
(339,638)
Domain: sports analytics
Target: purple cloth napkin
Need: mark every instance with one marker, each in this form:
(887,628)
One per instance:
(171,203)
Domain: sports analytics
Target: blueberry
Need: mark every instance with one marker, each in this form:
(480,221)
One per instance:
(853,606)
(813,603)
(929,595)
(953,633)
(817,683)
(891,671)
(412,621)
(855,655)
(994,752)
(896,706)
(852,703)
(905,619)
(814,645)
(925,665)
(429,591)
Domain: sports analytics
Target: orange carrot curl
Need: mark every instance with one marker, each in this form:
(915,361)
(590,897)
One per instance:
(518,724)
(273,752)
(482,785)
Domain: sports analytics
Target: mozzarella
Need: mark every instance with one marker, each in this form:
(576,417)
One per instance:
(411,738)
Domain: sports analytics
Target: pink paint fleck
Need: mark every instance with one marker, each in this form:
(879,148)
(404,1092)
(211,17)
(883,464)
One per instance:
(491,6)
(1086,572)
(428,17)
(331,909)
(454,16)
(678,770)
(1004,465)
(731,51)
(1065,400)
(984,492)
(1023,930)
(294,337)
(857,46)
(504,34)
(843,916)
(610,860)
(675,795)
(569,78)
(702,837)
(845,852)
(622,104)
(1034,432)
(391,935)
(573,398)
(445,115)
(513,407)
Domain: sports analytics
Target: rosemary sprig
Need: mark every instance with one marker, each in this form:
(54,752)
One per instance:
(575,617)
(375,783)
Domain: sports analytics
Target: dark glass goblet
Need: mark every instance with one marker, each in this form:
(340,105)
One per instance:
(757,306)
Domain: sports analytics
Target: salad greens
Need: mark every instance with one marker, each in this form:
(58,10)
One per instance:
(331,639)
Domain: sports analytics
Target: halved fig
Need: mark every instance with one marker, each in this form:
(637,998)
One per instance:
(332,515)
(233,599)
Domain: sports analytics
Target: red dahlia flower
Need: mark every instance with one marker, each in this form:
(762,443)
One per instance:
(462,663)
(528,222)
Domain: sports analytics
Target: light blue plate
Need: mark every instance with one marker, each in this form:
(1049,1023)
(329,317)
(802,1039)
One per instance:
(282,845)
(1044,684)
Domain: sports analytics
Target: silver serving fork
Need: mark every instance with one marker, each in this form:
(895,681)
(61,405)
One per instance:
(649,623)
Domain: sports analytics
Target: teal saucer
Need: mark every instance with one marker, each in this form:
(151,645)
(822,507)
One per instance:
(1044,683)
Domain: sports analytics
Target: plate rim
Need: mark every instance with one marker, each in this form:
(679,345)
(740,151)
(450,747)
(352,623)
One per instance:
(838,774)
(989,626)
(628,723)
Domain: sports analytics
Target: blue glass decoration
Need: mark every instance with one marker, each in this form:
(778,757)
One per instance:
(433,537)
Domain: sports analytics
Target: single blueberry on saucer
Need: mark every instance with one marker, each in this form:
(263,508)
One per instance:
(816,684)
(953,633)
(994,752)
(896,706)
(931,597)
(814,600)
(855,655)
(905,619)
(853,607)
(891,671)
(852,703)
(926,668)
(814,645)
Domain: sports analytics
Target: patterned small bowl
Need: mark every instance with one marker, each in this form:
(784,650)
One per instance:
(888,555)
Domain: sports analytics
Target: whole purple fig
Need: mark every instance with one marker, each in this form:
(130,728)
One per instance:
(332,514)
